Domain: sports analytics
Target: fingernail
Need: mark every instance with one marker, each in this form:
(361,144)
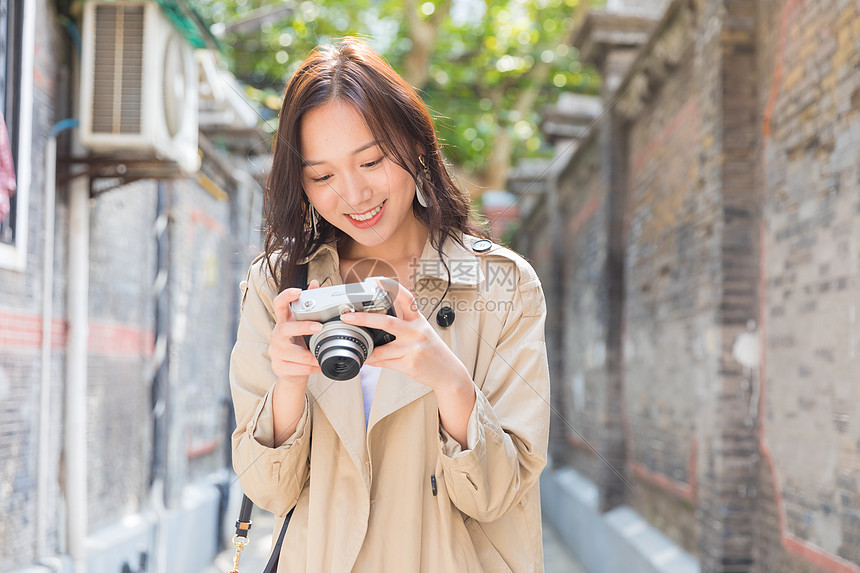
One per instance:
(347,317)
(316,327)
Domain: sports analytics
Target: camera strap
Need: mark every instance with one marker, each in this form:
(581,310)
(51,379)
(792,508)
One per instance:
(301,279)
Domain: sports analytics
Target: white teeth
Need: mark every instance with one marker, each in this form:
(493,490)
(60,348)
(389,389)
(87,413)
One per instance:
(367,215)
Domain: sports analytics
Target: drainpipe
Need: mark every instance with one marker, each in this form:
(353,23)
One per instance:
(76,371)
(45,469)
(77,311)
(161,418)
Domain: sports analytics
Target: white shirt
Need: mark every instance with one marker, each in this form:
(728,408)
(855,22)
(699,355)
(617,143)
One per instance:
(369,379)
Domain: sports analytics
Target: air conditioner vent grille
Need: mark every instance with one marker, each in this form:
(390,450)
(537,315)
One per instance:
(138,96)
(117,101)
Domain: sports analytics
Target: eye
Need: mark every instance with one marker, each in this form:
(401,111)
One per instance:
(373,163)
(321,179)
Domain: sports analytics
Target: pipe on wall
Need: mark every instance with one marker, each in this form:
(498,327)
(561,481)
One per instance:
(44,441)
(76,371)
(46,470)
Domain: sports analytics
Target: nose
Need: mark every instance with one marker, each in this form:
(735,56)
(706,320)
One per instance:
(355,190)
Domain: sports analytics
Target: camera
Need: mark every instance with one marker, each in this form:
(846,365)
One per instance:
(341,348)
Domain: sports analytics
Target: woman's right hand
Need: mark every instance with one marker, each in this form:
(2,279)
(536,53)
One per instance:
(292,362)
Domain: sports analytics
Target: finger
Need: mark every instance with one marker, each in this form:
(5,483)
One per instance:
(384,353)
(281,304)
(296,370)
(404,302)
(302,358)
(291,355)
(294,364)
(390,324)
(293,328)
(393,364)
(314,284)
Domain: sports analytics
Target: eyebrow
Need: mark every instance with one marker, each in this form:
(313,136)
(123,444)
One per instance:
(374,143)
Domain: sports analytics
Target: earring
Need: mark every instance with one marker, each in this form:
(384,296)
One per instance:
(419,183)
(315,219)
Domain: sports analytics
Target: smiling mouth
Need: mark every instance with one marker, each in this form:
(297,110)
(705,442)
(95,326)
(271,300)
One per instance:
(368,215)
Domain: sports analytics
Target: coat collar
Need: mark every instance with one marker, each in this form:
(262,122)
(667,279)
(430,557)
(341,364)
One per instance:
(341,401)
(464,266)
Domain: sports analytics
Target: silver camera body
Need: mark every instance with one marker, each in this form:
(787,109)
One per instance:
(341,348)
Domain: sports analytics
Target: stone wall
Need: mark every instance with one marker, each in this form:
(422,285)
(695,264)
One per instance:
(21,304)
(583,391)
(671,290)
(729,154)
(809,99)
(121,342)
(131,423)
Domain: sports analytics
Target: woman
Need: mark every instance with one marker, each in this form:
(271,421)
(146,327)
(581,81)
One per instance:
(429,460)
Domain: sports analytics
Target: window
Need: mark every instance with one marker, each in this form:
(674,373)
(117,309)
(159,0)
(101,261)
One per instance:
(16,87)
(9,36)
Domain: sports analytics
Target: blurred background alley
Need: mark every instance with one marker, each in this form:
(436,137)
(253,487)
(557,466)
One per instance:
(683,175)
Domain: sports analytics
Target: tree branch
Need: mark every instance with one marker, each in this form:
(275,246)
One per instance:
(423,33)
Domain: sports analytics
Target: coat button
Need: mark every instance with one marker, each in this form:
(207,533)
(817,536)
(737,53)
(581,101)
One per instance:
(445,317)
(482,245)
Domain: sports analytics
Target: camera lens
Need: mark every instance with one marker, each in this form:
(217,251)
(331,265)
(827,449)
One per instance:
(340,363)
(341,350)
(341,367)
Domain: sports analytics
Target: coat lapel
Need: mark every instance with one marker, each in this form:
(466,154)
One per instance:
(393,391)
(341,402)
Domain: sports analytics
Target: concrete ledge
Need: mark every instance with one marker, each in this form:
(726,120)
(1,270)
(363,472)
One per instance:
(619,540)
(130,541)
(188,540)
(192,530)
(570,502)
(637,546)
(59,564)
(189,536)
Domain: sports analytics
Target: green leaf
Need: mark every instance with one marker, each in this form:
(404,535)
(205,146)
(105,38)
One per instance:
(486,56)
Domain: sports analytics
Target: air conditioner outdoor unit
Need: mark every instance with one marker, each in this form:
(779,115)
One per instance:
(138,85)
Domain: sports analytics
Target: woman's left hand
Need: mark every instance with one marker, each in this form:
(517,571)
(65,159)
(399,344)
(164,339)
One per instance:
(418,351)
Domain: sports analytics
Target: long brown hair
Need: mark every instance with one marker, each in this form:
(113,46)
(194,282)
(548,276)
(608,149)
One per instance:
(352,72)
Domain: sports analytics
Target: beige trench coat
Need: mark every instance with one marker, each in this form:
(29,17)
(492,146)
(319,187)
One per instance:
(363,496)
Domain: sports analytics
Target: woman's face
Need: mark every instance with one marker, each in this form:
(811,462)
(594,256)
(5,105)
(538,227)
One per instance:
(350,181)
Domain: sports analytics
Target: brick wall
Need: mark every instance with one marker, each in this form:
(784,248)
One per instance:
(537,229)
(809,123)
(207,252)
(727,438)
(583,384)
(731,154)
(201,290)
(21,305)
(203,306)
(671,297)
(121,316)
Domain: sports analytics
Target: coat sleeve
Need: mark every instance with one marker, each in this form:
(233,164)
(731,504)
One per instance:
(511,413)
(272,477)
